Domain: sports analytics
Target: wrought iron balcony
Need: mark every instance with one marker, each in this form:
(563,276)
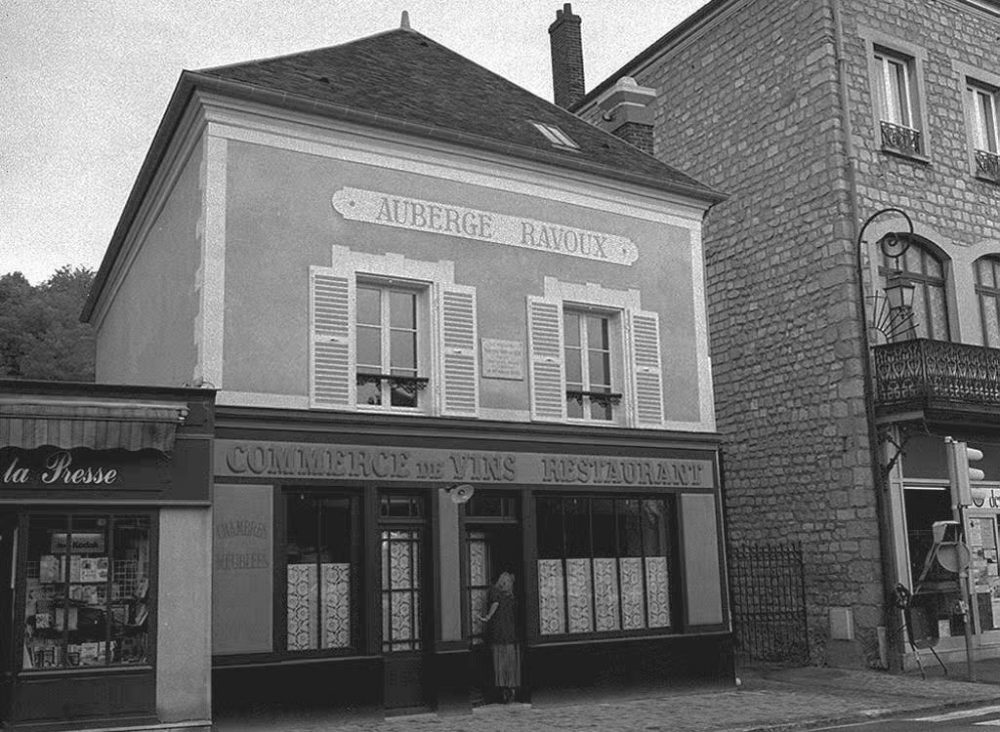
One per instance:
(988,165)
(898,138)
(937,375)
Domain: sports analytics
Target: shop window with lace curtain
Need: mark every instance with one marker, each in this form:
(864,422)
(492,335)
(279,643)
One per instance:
(605,564)
(322,553)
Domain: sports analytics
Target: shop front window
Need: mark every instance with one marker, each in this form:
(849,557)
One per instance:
(323,557)
(87,591)
(604,564)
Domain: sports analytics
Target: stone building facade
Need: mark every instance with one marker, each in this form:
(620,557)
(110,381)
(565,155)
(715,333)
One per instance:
(813,115)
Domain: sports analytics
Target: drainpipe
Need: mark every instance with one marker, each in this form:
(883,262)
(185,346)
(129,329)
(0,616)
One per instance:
(854,213)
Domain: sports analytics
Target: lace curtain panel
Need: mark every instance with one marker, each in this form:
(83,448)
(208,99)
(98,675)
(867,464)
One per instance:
(308,629)
(603,594)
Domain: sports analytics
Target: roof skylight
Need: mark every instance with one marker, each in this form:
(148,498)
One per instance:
(555,135)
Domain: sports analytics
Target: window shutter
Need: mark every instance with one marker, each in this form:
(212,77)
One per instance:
(459,356)
(331,370)
(545,343)
(647,373)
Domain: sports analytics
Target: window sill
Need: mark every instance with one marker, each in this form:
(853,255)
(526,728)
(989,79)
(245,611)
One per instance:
(995,180)
(906,155)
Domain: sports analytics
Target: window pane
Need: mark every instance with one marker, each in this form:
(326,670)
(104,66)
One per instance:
(369,349)
(577,527)
(597,332)
(402,310)
(600,410)
(653,528)
(46,593)
(629,530)
(130,578)
(550,528)
(403,352)
(369,391)
(369,306)
(901,93)
(938,318)
(574,369)
(571,328)
(603,518)
(600,370)
(403,393)
(991,326)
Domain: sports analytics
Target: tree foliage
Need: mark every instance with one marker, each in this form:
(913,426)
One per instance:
(41,336)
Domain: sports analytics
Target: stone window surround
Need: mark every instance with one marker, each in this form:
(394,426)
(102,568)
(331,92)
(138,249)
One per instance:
(874,39)
(966,74)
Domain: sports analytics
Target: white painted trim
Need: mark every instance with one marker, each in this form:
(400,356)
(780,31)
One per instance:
(209,365)
(261,399)
(706,394)
(391,266)
(591,294)
(505,415)
(283,129)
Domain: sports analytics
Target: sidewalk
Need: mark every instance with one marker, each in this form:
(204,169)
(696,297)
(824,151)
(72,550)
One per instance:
(772,700)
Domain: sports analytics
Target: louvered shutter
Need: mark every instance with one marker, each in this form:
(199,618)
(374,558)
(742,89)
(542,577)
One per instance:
(545,343)
(331,382)
(647,372)
(459,356)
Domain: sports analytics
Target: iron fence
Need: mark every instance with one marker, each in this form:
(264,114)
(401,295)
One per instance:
(769,605)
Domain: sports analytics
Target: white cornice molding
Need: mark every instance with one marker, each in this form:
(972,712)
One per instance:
(979,5)
(262,124)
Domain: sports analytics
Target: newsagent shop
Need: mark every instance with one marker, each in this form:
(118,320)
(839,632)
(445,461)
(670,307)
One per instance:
(104,532)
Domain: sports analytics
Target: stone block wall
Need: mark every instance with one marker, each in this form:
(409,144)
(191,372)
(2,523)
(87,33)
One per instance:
(748,103)
(948,204)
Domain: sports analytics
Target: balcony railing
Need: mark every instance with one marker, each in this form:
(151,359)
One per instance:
(900,139)
(988,165)
(939,374)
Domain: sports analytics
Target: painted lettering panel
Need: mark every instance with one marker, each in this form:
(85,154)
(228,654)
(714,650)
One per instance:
(245,459)
(242,576)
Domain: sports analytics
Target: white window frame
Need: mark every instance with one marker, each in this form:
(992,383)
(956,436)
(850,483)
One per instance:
(896,72)
(985,134)
(420,292)
(448,359)
(638,344)
(616,350)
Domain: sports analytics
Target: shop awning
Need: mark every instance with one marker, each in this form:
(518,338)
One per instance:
(95,425)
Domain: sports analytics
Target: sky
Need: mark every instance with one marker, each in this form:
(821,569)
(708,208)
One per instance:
(84,84)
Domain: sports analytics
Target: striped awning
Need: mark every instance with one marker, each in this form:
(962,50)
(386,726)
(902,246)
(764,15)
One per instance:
(95,425)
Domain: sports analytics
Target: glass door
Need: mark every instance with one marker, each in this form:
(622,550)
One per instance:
(404,584)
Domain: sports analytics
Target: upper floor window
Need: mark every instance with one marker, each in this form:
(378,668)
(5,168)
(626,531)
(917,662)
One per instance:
(389,336)
(985,135)
(896,102)
(392,334)
(988,291)
(588,357)
(594,356)
(925,270)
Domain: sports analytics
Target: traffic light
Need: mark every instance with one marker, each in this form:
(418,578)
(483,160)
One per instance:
(959,472)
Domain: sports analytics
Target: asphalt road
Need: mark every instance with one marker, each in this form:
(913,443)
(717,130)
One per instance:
(965,720)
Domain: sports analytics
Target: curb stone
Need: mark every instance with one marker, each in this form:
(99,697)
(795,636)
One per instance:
(858,717)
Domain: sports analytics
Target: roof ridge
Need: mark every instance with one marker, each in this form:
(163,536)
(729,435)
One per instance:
(292,54)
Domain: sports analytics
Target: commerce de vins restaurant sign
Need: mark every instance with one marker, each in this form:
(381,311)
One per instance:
(244,459)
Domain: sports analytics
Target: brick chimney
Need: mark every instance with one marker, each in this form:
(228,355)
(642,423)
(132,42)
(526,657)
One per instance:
(626,111)
(567,58)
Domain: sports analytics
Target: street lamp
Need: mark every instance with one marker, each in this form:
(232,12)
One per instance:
(898,291)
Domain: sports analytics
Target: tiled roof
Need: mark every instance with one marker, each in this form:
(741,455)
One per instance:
(403,77)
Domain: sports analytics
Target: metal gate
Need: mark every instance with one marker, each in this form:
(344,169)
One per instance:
(769,603)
